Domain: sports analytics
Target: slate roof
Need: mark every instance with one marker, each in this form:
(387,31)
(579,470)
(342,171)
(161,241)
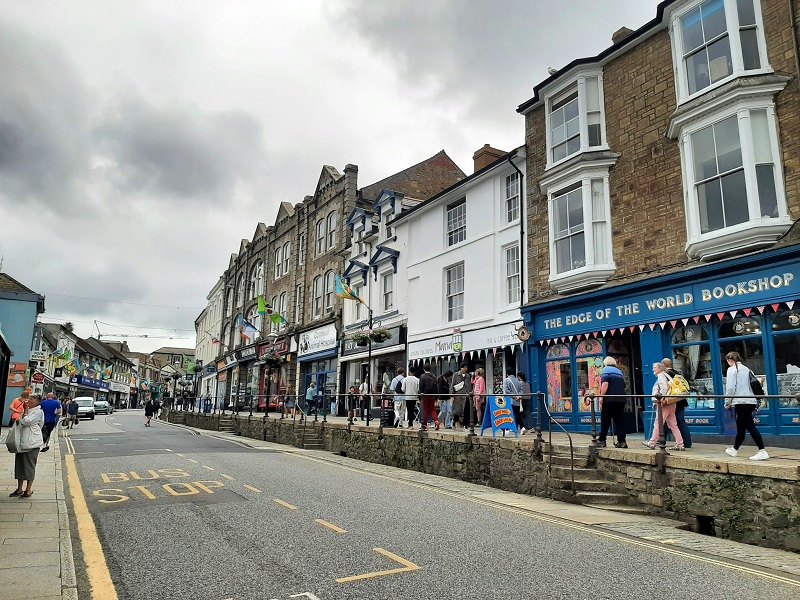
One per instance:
(423,180)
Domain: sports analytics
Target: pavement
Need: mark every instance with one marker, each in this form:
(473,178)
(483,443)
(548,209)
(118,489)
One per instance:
(36,561)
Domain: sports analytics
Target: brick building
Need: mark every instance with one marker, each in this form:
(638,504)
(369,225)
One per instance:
(293,264)
(663,198)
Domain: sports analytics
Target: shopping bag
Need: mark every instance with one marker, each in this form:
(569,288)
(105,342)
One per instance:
(13,438)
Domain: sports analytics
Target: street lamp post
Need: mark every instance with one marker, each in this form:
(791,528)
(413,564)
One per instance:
(369,367)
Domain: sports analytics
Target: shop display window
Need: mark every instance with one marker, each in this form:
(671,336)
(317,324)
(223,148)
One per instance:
(589,355)
(786,336)
(691,356)
(743,335)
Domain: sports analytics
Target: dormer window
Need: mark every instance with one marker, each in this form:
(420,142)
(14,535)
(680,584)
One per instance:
(716,40)
(575,119)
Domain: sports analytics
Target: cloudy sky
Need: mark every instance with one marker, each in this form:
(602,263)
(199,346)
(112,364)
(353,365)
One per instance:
(141,141)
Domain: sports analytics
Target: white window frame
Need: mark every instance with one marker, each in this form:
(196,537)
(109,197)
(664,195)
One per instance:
(512,196)
(578,83)
(593,272)
(758,230)
(257,280)
(458,233)
(298,306)
(278,262)
(254,318)
(358,290)
(732,23)
(317,296)
(240,291)
(330,288)
(454,312)
(282,302)
(387,292)
(513,279)
(301,252)
(229,303)
(319,232)
(330,225)
(287,256)
(275,306)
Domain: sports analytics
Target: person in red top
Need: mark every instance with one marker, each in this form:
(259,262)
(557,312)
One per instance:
(18,406)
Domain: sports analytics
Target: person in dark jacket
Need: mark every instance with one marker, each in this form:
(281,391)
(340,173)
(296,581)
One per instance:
(445,401)
(612,384)
(149,410)
(428,390)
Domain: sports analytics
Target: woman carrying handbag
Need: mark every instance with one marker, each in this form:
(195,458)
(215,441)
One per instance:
(30,441)
(737,383)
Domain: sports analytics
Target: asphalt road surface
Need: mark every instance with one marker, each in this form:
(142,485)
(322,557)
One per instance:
(191,517)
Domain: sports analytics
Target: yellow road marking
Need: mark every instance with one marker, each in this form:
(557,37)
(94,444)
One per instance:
(192,460)
(285,504)
(330,526)
(406,568)
(226,476)
(102,588)
(565,523)
(179,454)
(209,468)
(253,489)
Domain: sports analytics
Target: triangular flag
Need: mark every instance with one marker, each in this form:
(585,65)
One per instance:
(652,326)
(673,323)
(662,325)
(790,304)
(720,316)
(541,342)
(494,351)
(641,327)
(685,321)
(632,328)
(613,332)
(604,333)
(733,314)
(513,348)
(747,311)
(761,309)
(707,318)
(571,337)
(696,320)
(776,307)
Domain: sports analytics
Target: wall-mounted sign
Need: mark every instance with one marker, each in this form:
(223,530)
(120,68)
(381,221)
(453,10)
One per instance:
(477,339)
(38,355)
(397,337)
(89,382)
(278,347)
(17,374)
(37,377)
(247,353)
(317,340)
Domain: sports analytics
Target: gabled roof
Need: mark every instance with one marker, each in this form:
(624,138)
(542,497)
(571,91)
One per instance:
(99,348)
(243,246)
(52,340)
(285,210)
(423,180)
(115,353)
(261,231)
(174,350)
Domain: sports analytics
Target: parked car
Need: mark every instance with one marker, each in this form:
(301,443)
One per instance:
(103,406)
(85,407)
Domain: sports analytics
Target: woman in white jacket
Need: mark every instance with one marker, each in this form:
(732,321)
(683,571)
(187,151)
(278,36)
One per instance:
(737,383)
(30,442)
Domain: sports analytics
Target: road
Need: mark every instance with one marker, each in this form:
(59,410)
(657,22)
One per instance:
(186,516)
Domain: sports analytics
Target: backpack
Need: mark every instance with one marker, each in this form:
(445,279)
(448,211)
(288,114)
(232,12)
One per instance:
(398,387)
(677,388)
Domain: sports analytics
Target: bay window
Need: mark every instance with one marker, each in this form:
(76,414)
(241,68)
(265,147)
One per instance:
(575,119)
(715,40)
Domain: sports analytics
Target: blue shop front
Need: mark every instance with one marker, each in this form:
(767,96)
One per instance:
(695,317)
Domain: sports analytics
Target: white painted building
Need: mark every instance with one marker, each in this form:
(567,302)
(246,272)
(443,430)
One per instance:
(376,274)
(208,326)
(462,269)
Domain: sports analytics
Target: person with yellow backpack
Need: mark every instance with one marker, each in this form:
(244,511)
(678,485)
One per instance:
(682,404)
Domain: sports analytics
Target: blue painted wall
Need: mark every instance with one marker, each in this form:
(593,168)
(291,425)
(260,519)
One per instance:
(17,319)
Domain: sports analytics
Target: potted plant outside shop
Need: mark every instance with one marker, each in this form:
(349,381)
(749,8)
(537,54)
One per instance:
(380,335)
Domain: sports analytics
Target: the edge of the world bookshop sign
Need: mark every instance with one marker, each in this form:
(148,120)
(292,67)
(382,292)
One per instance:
(499,416)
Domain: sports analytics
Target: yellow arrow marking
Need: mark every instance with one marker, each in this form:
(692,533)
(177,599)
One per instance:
(407,568)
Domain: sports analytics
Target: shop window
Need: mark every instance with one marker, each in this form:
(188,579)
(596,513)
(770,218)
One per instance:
(575,120)
(558,351)
(590,366)
(786,340)
(559,385)
(691,357)
(744,336)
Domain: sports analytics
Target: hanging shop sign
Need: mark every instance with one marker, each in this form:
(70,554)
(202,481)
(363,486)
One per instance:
(246,353)
(38,355)
(278,347)
(754,287)
(317,340)
(396,338)
(89,382)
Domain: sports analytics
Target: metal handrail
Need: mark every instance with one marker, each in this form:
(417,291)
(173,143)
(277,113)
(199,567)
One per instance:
(550,420)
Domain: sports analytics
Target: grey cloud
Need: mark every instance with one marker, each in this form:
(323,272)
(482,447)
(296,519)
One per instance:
(485,53)
(179,151)
(43,115)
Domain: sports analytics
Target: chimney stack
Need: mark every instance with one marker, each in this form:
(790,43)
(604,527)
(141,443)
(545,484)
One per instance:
(620,34)
(485,156)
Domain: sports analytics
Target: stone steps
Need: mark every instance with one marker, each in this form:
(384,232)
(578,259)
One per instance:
(226,425)
(581,473)
(559,459)
(602,498)
(587,485)
(628,510)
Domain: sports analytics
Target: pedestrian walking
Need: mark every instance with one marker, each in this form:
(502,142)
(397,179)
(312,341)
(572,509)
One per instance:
(461,391)
(30,441)
(527,403)
(396,388)
(478,394)
(511,387)
(445,400)
(612,403)
(51,408)
(737,383)
(157,409)
(428,388)
(311,397)
(363,398)
(149,410)
(661,386)
(411,391)
(352,403)
(680,406)
(17,407)
(72,412)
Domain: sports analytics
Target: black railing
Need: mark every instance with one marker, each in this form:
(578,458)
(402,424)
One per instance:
(550,421)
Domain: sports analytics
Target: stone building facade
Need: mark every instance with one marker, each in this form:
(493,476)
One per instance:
(663,194)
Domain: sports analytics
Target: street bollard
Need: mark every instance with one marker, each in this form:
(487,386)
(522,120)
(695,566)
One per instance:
(472,415)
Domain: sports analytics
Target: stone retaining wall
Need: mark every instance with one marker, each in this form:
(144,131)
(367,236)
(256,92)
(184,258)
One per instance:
(731,500)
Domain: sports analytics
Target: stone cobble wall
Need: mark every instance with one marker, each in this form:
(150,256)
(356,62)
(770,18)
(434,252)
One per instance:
(748,508)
